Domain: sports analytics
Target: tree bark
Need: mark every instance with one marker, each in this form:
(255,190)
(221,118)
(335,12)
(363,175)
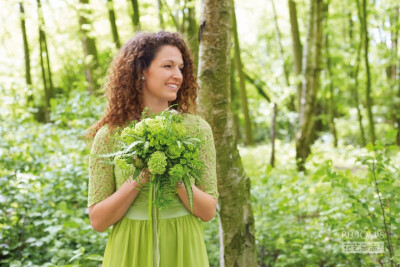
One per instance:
(278,37)
(310,84)
(45,65)
(235,213)
(160,14)
(112,19)
(398,117)
(391,70)
(332,108)
(368,71)
(297,48)
(28,77)
(243,94)
(395,68)
(273,135)
(89,47)
(355,89)
(135,15)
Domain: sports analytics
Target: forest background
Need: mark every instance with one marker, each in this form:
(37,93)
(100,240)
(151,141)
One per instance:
(312,98)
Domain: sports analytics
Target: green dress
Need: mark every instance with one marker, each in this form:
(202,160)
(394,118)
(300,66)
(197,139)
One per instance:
(181,239)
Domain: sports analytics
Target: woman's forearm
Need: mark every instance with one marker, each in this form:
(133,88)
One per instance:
(204,205)
(112,209)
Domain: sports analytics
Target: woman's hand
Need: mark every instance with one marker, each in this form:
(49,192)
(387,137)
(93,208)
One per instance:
(112,209)
(204,205)
(143,178)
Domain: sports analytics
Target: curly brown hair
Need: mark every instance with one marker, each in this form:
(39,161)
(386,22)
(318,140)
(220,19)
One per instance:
(124,88)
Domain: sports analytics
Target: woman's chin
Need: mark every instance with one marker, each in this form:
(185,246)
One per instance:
(172,98)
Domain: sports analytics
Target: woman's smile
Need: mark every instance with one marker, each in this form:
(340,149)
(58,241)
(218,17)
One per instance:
(173,86)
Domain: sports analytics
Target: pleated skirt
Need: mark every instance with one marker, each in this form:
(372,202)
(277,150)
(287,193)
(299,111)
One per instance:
(181,243)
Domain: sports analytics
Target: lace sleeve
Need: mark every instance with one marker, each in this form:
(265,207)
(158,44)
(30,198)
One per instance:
(101,173)
(208,183)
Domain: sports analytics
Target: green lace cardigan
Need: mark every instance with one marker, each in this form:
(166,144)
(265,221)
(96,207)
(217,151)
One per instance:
(105,178)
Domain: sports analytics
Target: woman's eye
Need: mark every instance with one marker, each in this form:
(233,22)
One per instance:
(181,69)
(167,66)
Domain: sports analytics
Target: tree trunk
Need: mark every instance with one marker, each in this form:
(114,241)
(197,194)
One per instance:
(364,21)
(398,117)
(45,64)
(332,103)
(310,84)
(394,32)
(278,37)
(135,15)
(28,78)
(243,94)
(273,135)
(112,19)
(160,14)
(297,48)
(355,89)
(332,108)
(183,17)
(235,212)
(89,47)
(395,68)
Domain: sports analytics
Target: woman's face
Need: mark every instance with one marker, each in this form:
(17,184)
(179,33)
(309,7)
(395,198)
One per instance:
(164,76)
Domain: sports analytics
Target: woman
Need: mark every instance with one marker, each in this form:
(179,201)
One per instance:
(154,71)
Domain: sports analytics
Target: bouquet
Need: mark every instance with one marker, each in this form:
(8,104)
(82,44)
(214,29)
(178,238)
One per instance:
(161,144)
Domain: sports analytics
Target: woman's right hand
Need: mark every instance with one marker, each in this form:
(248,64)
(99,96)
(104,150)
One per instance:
(110,210)
(143,177)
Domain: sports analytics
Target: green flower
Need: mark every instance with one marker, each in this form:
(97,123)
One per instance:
(179,129)
(126,135)
(121,163)
(157,162)
(156,125)
(139,128)
(176,173)
(174,151)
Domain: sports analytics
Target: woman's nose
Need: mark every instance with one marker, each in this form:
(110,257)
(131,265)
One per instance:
(178,74)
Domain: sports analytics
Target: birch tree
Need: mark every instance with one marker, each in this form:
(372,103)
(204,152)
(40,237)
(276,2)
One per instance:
(310,83)
(364,22)
(242,85)
(237,241)
(113,24)
(297,48)
(45,64)
(28,77)
(89,46)
(356,81)
(135,15)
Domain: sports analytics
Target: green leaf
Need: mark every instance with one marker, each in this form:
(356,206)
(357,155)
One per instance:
(94,257)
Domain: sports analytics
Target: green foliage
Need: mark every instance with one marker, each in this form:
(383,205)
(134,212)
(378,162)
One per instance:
(301,220)
(43,176)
